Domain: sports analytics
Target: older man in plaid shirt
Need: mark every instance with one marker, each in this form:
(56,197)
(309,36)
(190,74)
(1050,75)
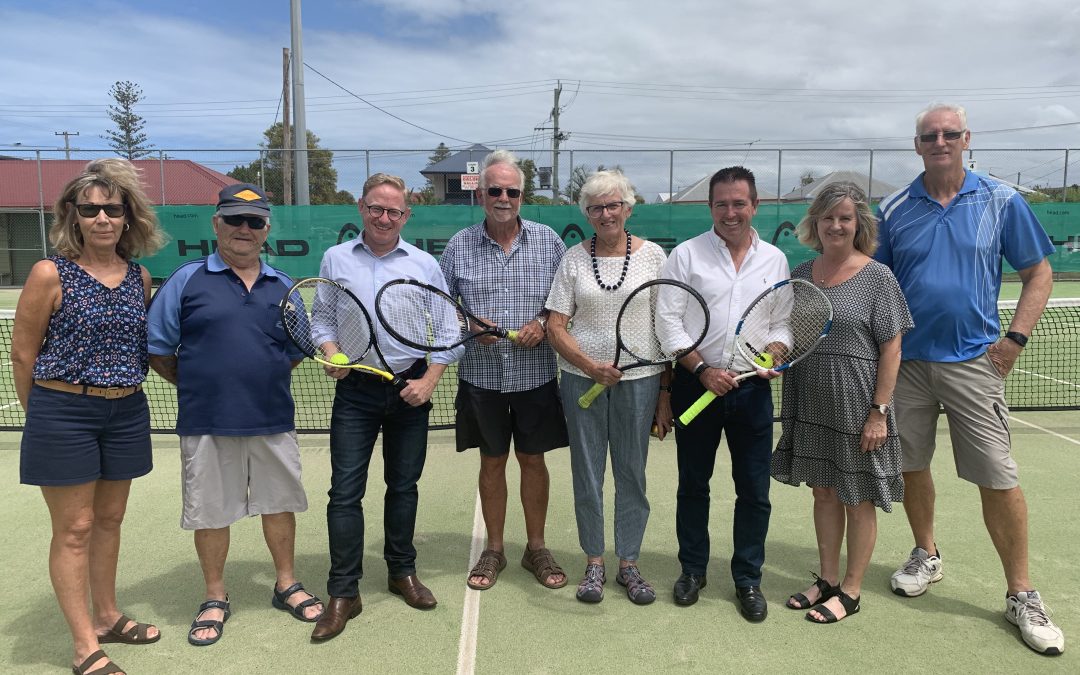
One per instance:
(502,269)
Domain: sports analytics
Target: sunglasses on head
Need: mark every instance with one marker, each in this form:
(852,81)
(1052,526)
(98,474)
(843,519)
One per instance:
(254,222)
(512,193)
(947,135)
(91,210)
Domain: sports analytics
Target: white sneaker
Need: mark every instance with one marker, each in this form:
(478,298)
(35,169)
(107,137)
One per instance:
(920,570)
(1026,611)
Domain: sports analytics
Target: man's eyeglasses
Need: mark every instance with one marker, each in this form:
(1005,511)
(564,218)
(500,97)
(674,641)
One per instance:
(512,193)
(597,210)
(91,210)
(947,135)
(254,222)
(378,211)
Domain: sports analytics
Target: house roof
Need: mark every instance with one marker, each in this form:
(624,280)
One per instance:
(185,182)
(876,189)
(698,193)
(455,163)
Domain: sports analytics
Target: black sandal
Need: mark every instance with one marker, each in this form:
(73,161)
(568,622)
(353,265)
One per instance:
(826,589)
(850,605)
(281,601)
(218,626)
(84,667)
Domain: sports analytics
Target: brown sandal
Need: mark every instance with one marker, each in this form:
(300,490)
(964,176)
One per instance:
(542,564)
(489,565)
(107,669)
(136,635)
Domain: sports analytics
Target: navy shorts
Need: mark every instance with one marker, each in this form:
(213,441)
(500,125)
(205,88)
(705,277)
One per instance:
(488,419)
(70,439)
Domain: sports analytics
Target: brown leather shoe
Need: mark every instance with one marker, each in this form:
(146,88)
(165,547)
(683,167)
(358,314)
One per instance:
(337,614)
(415,593)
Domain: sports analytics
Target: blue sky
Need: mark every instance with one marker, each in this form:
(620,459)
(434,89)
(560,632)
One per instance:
(636,73)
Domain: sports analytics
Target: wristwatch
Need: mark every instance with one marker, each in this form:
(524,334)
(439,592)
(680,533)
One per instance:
(882,408)
(665,387)
(700,368)
(542,320)
(1018,338)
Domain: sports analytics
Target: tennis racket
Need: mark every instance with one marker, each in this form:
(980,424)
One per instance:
(781,327)
(635,329)
(330,325)
(427,318)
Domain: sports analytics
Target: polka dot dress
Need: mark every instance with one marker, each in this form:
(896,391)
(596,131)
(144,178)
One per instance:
(826,398)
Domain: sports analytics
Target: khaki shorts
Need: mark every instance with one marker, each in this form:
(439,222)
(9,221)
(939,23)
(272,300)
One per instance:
(973,395)
(228,477)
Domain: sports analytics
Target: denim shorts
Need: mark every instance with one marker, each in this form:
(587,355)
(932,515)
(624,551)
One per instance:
(70,439)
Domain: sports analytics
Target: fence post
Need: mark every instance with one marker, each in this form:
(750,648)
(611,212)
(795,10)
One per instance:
(41,207)
(1065,179)
(671,175)
(870,180)
(367,165)
(161,171)
(262,169)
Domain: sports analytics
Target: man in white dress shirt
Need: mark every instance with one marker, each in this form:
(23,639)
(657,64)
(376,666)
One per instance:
(730,265)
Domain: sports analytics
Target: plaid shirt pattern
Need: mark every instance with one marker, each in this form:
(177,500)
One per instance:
(507,289)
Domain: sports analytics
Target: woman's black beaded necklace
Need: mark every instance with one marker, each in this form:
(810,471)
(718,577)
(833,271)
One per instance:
(596,265)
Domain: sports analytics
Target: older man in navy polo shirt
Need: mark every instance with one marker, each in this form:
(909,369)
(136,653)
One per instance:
(215,332)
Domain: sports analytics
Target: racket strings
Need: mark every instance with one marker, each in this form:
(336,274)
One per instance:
(638,329)
(787,323)
(329,314)
(417,316)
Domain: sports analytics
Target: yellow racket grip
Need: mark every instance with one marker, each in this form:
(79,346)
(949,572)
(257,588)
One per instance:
(688,416)
(588,397)
(511,335)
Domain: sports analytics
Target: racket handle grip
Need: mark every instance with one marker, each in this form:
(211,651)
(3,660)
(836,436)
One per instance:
(511,335)
(690,413)
(588,397)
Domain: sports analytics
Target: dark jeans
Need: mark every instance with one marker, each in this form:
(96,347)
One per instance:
(361,409)
(746,415)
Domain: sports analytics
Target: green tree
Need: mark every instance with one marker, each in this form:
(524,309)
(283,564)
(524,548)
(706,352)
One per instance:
(267,171)
(528,167)
(128,139)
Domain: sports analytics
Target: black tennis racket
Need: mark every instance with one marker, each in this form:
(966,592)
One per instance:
(635,329)
(330,325)
(781,327)
(427,318)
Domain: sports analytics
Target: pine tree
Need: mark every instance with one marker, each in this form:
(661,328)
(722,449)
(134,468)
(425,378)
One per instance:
(128,140)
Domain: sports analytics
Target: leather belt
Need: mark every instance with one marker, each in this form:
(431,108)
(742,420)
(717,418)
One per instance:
(411,372)
(88,390)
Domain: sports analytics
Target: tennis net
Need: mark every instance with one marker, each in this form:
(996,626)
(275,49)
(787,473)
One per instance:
(1045,377)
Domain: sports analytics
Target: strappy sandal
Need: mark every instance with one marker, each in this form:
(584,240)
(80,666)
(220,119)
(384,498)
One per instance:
(218,626)
(281,601)
(591,588)
(136,635)
(638,590)
(489,565)
(107,669)
(542,565)
(850,605)
(826,590)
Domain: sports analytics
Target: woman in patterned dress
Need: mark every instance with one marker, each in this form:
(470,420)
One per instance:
(839,432)
(590,286)
(79,358)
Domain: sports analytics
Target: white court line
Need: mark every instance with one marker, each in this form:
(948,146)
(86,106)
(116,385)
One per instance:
(1043,429)
(10,405)
(1047,377)
(470,613)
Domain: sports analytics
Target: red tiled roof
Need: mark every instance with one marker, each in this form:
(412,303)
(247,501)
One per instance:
(185,181)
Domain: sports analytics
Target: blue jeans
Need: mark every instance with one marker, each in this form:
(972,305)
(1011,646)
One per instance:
(361,409)
(746,414)
(620,418)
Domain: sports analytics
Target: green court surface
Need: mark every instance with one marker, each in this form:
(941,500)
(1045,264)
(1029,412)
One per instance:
(518,626)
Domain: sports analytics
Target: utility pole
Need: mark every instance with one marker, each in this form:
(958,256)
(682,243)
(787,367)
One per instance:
(303,193)
(67,144)
(286,158)
(556,137)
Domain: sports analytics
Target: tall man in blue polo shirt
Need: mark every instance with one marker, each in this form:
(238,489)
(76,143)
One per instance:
(364,406)
(215,332)
(944,237)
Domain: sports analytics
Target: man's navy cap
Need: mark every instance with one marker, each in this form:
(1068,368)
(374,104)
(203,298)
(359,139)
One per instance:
(243,199)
